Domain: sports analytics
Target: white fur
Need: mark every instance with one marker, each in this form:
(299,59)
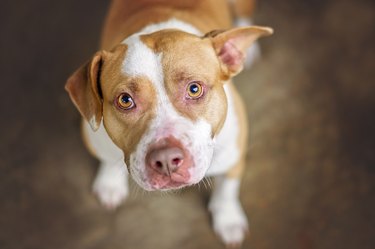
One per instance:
(226,152)
(111,184)
(93,123)
(111,181)
(228,218)
(103,146)
(194,136)
(142,61)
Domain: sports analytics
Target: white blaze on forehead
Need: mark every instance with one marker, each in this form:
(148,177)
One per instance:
(140,60)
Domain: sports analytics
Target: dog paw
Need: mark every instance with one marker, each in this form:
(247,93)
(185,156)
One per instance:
(230,224)
(110,187)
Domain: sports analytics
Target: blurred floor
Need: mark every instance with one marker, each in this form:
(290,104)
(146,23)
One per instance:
(310,177)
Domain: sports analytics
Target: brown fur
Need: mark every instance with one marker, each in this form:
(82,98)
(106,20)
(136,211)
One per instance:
(83,90)
(183,67)
(130,124)
(125,127)
(126,17)
(243,8)
(237,170)
(103,81)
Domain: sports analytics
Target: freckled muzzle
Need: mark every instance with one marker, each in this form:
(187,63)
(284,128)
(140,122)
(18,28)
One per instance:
(168,164)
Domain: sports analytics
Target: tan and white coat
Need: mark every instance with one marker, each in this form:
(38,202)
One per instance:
(154,60)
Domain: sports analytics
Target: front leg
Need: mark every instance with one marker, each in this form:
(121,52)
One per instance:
(111,183)
(229,220)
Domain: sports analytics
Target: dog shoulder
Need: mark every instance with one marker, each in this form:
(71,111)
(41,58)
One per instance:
(227,148)
(100,144)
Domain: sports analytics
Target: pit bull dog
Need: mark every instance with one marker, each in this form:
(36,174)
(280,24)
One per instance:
(158,102)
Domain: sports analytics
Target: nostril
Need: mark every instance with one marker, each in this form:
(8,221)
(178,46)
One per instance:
(159,164)
(176,161)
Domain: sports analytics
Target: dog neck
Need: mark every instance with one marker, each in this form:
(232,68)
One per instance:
(126,18)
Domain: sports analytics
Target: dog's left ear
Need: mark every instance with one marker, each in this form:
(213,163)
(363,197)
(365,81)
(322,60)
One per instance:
(84,90)
(231,45)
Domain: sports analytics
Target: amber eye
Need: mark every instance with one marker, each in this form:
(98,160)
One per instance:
(194,90)
(125,101)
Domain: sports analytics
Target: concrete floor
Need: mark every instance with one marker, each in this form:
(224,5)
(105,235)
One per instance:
(310,176)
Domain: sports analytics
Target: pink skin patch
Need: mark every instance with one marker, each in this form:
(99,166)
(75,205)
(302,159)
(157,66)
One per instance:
(231,56)
(168,164)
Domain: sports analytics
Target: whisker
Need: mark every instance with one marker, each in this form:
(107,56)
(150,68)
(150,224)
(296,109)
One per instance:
(209,183)
(204,183)
(137,191)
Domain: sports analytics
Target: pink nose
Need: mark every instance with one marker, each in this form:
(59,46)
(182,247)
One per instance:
(165,160)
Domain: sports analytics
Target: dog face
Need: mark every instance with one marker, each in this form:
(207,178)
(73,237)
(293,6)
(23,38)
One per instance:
(162,101)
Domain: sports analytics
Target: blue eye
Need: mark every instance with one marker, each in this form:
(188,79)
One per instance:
(125,101)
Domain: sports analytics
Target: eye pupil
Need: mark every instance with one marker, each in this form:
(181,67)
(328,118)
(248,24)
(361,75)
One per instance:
(125,101)
(194,88)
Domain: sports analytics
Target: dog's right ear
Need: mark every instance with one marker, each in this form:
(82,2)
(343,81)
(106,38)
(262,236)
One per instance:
(85,92)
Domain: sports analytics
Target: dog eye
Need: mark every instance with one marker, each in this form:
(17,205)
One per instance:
(125,101)
(194,90)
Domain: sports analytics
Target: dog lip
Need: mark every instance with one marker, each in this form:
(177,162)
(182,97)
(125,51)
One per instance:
(173,182)
(178,178)
(171,185)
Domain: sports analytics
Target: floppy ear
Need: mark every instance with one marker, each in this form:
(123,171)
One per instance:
(231,45)
(84,90)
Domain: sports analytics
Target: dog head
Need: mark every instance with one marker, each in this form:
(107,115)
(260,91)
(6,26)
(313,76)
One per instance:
(162,100)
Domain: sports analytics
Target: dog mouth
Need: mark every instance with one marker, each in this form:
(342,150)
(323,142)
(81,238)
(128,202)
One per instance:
(170,182)
(168,185)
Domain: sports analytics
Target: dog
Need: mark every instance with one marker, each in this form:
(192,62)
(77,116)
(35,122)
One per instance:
(158,100)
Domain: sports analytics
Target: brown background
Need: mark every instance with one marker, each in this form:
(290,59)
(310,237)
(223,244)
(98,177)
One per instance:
(311,103)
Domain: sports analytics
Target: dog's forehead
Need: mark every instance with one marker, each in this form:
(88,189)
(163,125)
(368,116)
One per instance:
(167,39)
(183,51)
(169,52)
(141,60)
